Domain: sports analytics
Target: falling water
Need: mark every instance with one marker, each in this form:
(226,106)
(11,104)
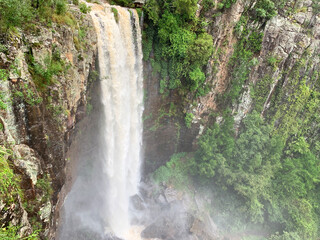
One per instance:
(99,199)
(120,62)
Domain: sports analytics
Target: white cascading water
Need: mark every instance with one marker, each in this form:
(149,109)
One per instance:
(120,67)
(110,157)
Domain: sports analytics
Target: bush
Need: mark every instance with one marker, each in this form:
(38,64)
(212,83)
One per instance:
(61,7)
(201,50)
(265,9)
(207,4)
(84,8)
(186,8)
(12,233)
(228,3)
(174,172)
(43,75)
(188,119)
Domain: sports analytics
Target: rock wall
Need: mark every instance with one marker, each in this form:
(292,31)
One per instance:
(164,131)
(39,116)
(288,37)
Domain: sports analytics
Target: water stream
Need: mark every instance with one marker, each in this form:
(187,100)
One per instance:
(99,201)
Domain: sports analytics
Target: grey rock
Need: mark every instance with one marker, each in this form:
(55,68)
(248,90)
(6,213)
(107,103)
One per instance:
(45,212)
(27,161)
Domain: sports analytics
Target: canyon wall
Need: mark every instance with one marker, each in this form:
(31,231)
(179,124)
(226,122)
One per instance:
(47,71)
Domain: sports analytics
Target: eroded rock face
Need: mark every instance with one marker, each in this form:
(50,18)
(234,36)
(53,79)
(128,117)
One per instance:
(37,120)
(164,131)
(27,161)
(286,37)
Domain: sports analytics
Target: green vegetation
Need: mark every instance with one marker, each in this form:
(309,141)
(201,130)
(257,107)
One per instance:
(174,172)
(84,8)
(14,12)
(162,113)
(43,75)
(9,183)
(181,47)
(123,3)
(315,6)
(11,233)
(226,4)
(27,94)
(44,184)
(265,9)
(116,14)
(26,14)
(61,7)
(260,92)
(188,119)
(3,104)
(266,172)
(265,180)
(9,191)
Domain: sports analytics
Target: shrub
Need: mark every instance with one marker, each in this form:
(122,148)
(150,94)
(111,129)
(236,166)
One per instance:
(9,184)
(207,4)
(197,77)
(174,172)
(265,9)
(228,3)
(187,8)
(61,7)
(12,233)
(84,8)
(188,119)
(43,75)
(44,184)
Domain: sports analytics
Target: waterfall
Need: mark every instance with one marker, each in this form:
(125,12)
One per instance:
(99,198)
(120,63)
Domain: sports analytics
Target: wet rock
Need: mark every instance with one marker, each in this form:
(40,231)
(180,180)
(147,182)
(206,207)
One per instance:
(161,199)
(27,161)
(205,230)
(17,215)
(3,58)
(170,227)
(172,194)
(242,108)
(137,202)
(45,212)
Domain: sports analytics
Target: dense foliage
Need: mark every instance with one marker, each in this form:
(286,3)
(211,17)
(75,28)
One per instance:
(180,46)
(22,13)
(265,172)
(276,183)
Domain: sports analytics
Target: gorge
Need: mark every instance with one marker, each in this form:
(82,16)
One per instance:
(202,123)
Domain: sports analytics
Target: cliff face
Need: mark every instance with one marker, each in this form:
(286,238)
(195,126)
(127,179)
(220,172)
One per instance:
(264,84)
(288,37)
(265,81)
(44,83)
